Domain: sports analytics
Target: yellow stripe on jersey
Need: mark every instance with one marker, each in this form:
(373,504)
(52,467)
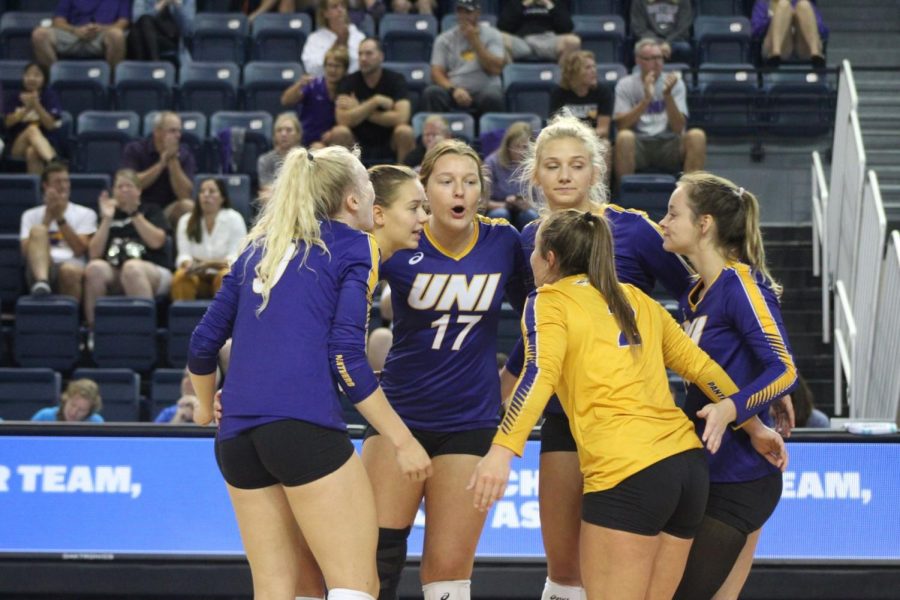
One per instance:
(342,369)
(773,337)
(462,253)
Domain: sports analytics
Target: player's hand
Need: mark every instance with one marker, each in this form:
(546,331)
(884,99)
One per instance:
(670,81)
(217,405)
(717,416)
(782,411)
(666,50)
(649,84)
(771,446)
(414,462)
(107,205)
(490,477)
(462,97)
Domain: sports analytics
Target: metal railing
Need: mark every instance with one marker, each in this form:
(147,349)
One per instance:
(883,374)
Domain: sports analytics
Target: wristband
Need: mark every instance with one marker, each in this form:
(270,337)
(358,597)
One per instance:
(60,222)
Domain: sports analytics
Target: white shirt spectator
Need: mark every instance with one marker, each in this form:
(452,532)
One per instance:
(321,40)
(82,219)
(224,242)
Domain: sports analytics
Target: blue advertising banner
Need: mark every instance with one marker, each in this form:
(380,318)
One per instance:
(163,496)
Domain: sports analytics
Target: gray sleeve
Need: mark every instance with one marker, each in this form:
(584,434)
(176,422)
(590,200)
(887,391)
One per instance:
(441,51)
(679,92)
(624,102)
(493,41)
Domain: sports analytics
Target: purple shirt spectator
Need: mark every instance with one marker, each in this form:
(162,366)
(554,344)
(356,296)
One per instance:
(102,12)
(503,183)
(316,111)
(760,19)
(140,155)
(50,102)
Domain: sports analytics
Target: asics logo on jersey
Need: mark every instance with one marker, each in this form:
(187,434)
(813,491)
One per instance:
(417,257)
(445,596)
(441,292)
(555,597)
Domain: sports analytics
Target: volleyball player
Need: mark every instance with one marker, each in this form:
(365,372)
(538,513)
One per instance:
(440,374)
(733,313)
(603,347)
(296,305)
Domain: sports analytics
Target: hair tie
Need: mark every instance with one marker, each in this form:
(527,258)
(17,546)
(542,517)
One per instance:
(588,217)
(312,158)
(740,193)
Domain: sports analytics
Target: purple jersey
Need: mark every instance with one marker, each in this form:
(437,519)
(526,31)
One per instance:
(738,323)
(441,372)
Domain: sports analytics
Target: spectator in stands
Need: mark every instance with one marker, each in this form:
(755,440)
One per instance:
(287,134)
(806,413)
(434,129)
(422,7)
(789,27)
(84,29)
(165,167)
(651,115)
(55,237)
(314,99)
(208,240)
(507,201)
(373,108)
(159,29)
(333,28)
(80,402)
(466,63)
(669,21)
(183,409)
(537,30)
(128,253)
(254,8)
(32,118)
(579,91)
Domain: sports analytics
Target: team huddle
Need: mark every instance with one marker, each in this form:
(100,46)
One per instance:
(639,498)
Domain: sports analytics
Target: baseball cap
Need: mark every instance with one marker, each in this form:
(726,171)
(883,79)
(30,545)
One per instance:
(469,5)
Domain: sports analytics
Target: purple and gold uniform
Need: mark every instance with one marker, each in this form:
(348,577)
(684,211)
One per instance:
(441,374)
(286,362)
(738,323)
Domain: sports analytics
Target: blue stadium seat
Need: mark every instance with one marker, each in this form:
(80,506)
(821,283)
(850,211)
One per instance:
(219,37)
(11,268)
(277,37)
(120,391)
(597,7)
(219,6)
(407,36)
(208,87)
(238,190)
(609,74)
(719,8)
(144,86)
(449,20)
(648,192)
(125,333)
(528,87)
(101,139)
(87,187)
(491,124)
(42,5)
(727,99)
(15,32)
(264,82)
(20,192)
(47,332)
(797,102)
(722,39)
(418,77)
(81,84)
(602,35)
(183,318)
(23,392)
(462,125)
(165,389)
(11,74)
(257,128)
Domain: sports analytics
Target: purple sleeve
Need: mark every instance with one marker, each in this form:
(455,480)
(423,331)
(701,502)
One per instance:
(516,359)
(124,10)
(666,267)
(759,19)
(216,325)
(63,9)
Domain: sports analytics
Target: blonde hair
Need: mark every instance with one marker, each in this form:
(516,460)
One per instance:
(288,116)
(736,214)
(386,181)
(517,130)
(570,65)
(311,186)
(565,125)
(459,147)
(340,54)
(84,388)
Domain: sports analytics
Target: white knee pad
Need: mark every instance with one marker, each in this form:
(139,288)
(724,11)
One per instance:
(448,590)
(556,591)
(345,594)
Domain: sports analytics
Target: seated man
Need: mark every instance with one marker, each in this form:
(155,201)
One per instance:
(537,30)
(466,63)
(651,115)
(372,108)
(55,237)
(165,167)
(84,29)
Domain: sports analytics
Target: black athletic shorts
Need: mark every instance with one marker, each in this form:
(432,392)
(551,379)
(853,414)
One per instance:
(475,441)
(667,496)
(288,452)
(556,435)
(745,506)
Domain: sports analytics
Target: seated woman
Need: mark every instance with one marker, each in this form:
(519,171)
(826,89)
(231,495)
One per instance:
(286,134)
(507,201)
(80,402)
(579,91)
(333,28)
(128,252)
(313,99)
(789,27)
(208,240)
(32,117)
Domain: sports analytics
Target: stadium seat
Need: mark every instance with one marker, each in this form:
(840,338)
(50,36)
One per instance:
(23,392)
(144,86)
(264,82)
(609,74)
(125,333)
(47,332)
(11,75)
(81,84)
(490,126)
(183,318)
(648,192)
(528,87)
(101,139)
(727,99)
(220,37)
(20,192)
(722,39)
(257,130)
(797,103)
(719,8)
(208,87)
(277,37)
(596,7)
(87,187)
(238,190)
(449,20)
(418,77)
(219,6)
(462,125)
(38,5)
(165,389)
(367,25)
(15,32)
(120,392)
(11,268)
(602,35)
(407,36)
